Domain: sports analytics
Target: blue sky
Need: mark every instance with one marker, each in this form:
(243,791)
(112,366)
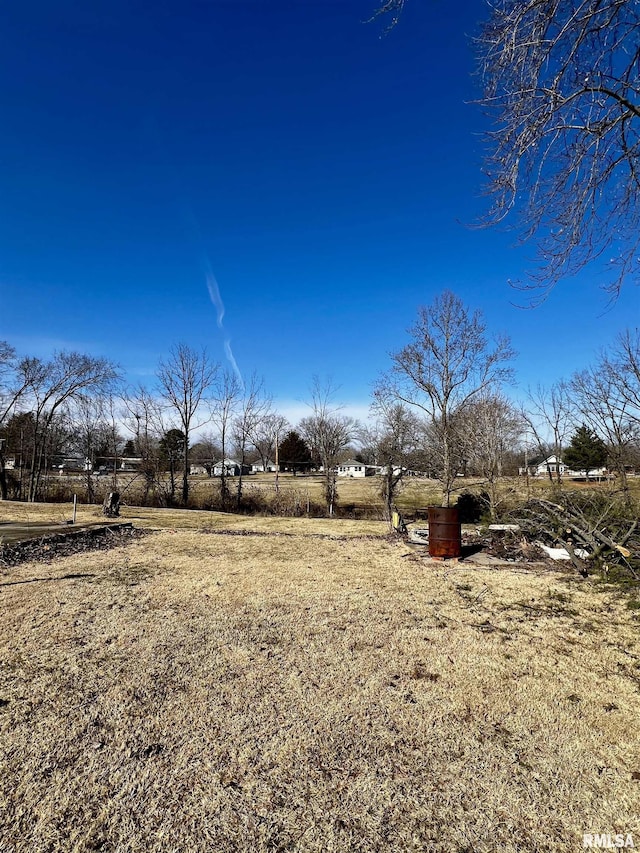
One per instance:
(326,177)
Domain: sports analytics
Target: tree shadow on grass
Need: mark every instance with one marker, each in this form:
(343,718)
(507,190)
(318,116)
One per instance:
(73,576)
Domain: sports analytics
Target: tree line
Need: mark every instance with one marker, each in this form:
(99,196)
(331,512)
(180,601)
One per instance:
(75,405)
(443,409)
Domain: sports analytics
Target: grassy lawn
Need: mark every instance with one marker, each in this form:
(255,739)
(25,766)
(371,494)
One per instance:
(258,684)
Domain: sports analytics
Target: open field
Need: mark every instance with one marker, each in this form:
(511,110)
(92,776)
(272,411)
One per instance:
(258,684)
(303,493)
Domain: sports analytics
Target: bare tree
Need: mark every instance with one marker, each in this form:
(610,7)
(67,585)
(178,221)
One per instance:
(144,419)
(253,407)
(562,78)
(185,379)
(395,440)
(11,390)
(226,397)
(493,427)
(327,433)
(601,405)
(549,416)
(90,433)
(448,364)
(114,438)
(562,82)
(624,362)
(266,434)
(49,386)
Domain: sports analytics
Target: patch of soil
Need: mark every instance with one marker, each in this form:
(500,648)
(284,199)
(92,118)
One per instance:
(49,548)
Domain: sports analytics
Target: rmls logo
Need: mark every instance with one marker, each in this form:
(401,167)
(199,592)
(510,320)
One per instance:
(606,841)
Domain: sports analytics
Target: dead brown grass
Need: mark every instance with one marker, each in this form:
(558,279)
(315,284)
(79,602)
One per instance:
(313,691)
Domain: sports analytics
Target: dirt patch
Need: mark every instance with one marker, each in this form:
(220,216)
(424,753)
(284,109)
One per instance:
(47,548)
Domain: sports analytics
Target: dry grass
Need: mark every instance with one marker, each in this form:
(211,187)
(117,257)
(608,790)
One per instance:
(316,691)
(189,520)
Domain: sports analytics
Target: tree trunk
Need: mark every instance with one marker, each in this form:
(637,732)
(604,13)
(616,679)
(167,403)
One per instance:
(90,492)
(446,466)
(172,479)
(388,492)
(185,476)
(493,499)
(239,487)
(3,479)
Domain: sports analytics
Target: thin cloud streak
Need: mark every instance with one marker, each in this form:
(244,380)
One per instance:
(216,299)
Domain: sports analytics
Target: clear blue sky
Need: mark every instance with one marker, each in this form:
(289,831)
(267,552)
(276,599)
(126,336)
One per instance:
(326,176)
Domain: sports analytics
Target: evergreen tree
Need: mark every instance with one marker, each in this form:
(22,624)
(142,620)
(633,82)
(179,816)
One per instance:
(586,451)
(171,447)
(129,449)
(294,452)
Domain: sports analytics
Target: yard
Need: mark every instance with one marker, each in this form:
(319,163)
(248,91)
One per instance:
(230,683)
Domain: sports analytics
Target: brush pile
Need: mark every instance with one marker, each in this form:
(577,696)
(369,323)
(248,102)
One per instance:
(595,529)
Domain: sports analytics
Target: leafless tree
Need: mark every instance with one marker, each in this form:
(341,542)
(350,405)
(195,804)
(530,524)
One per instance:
(493,427)
(144,419)
(185,378)
(49,386)
(448,364)
(602,406)
(266,434)
(623,361)
(562,83)
(549,417)
(396,438)
(327,433)
(115,441)
(90,433)
(226,397)
(253,407)
(12,389)
(562,78)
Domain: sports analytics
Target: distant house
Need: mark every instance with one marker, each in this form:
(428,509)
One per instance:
(68,463)
(201,468)
(258,468)
(130,463)
(231,468)
(353,468)
(550,465)
(543,467)
(553,465)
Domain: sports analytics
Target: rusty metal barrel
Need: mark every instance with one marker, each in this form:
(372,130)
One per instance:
(445,536)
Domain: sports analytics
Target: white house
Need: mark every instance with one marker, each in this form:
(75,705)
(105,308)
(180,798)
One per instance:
(231,467)
(259,468)
(550,465)
(353,468)
(553,464)
(197,468)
